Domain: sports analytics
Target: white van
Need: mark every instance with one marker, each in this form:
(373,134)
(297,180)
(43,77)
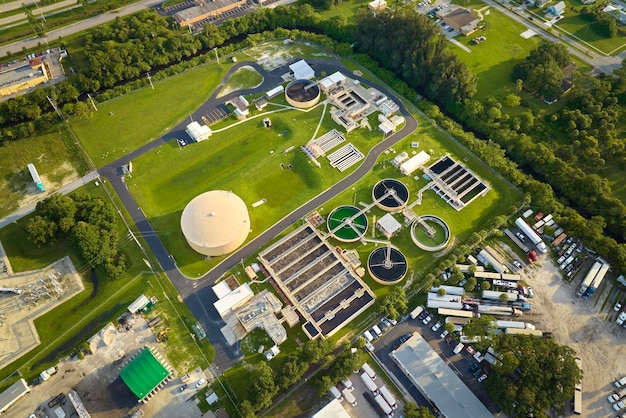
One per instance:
(346,394)
(369,383)
(620,382)
(336,393)
(416,312)
(377,330)
(370,347)
(368,336)
(458,348)
(370,372)
(348,384)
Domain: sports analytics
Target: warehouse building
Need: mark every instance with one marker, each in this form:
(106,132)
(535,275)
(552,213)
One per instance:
(204,10)
(14,393)
(20,78)
(146,374)
(198,132)
(413,163)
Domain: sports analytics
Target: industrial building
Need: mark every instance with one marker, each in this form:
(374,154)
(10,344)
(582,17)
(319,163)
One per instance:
(462,20)
(388,225)
(436,380)
(332,82)
(228,301)
(146,374)
(203,10)
(377,5)
(22,77)
(455,183)
(14,393)
(409,166)
(333,409)
(317,281)
(198,132)
(301,70)
(215,223)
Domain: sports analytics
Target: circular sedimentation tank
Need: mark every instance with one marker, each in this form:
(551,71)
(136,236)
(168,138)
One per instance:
(387,265)
(347,223)
(302,93)
(215,223)
(431,234)
(391,195)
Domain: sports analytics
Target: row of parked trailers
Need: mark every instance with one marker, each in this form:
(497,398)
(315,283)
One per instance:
(380,398)
(593,279)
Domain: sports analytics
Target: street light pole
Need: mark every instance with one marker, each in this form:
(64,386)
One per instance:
(216,56)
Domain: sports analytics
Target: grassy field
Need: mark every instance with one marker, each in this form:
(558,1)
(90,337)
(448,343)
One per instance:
(582,28)
(493,60)
(64,328)
(128,122)
(242,79)
(55,156)
(253,172)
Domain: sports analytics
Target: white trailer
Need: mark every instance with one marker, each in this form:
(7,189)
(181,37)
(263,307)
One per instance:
(35,176)
(597,280)
(335,392)
(369,383)
(446,297)
(499,310)
(432,303)
(493,295)
(384,406)
(416,312)
(450,290)
(370,372)
(591,274)
(388,397)
(455,312)
(531,234)
(349,397)
(510,324)
(516,331)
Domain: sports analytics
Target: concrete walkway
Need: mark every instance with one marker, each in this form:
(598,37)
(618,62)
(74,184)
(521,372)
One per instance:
(30,208)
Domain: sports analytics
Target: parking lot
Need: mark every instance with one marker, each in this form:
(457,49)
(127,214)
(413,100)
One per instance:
(430,8)
(363,408)
(460,363)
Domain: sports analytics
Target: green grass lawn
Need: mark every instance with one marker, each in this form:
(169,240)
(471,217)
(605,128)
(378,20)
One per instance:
(581,28)
(492,61)
(55,156)
(253,172)
(135,122)
(243,78)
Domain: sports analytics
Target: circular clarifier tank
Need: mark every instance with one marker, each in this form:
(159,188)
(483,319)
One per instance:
(347,223)
(430,233)
(302,93)
(387,265)
(390,195)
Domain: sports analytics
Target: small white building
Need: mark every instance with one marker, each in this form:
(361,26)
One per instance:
(138,304)
(274,92)
(388,225)
(332,81)
(415,162)
(233,300)
(377,5)
(399,159)
(198,132)
(301,70)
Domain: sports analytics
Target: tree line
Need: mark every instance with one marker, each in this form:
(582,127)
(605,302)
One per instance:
(87,222)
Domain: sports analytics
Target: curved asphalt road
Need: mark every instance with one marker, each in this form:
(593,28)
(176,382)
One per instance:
(197,294)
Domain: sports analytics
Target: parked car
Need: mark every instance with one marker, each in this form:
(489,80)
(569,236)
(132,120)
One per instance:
(520,236)
(470,349)
(183,387)
(436,326)
(427,319)
(444,333)
(404,338)
(619,406)
(517,264)
(482,378)
(617,306)
(200,382)
(621,382)
(613,398)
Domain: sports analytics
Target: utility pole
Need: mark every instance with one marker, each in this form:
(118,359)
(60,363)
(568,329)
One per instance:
(150,79)
(216,56)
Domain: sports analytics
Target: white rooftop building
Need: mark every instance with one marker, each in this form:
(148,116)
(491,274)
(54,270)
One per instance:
(333,409)
(233,300)
(388,225)
(302,70)
(198,132)
(413,163)
(332,81)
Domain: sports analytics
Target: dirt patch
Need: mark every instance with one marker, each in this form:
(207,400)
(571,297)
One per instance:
(274,56)
(580,324)
(53,181)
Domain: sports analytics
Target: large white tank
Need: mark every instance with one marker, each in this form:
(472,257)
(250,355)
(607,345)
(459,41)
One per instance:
(215,223)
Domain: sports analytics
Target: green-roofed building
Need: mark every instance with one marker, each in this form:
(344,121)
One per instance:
(144,373)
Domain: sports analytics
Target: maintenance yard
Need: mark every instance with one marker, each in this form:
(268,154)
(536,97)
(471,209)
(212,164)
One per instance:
(96,380)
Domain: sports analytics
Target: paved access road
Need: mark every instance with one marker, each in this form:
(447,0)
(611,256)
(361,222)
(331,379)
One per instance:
(197,294)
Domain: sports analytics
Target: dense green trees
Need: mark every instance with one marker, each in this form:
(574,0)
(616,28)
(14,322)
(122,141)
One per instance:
(394,304)
(411,410)
(412,47)
(533,375)
(541,72)
(87,222)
